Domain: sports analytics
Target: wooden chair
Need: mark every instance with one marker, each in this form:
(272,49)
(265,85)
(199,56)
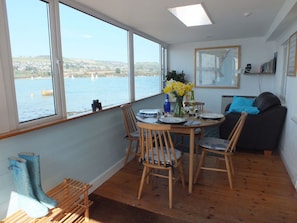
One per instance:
(158,153)
(132,133)
(223,148)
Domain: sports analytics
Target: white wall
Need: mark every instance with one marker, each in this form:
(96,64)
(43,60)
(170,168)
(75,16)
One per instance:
(254,51)
(288,146)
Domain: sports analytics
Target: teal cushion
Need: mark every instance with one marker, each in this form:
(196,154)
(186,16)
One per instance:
(248,109)
(242,101)
(242,104)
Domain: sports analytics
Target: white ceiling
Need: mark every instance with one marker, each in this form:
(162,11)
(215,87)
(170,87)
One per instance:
(153,18)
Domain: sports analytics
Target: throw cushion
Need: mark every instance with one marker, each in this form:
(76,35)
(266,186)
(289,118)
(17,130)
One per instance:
(242,104)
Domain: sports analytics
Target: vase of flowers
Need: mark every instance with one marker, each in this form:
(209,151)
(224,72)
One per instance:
(178,90)
(178,111)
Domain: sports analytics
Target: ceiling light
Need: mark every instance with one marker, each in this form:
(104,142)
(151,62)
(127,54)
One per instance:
(191,15)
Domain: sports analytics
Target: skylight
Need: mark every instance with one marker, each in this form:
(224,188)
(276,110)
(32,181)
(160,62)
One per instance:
(191,15)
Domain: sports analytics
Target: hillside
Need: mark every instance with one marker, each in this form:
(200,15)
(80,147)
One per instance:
(28,67)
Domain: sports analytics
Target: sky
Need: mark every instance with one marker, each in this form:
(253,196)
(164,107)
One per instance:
(83,36)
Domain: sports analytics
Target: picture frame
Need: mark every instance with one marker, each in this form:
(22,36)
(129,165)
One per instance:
(292,58)
(217,67)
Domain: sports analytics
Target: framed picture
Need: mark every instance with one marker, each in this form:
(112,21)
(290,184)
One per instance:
(217,67)
(292,59)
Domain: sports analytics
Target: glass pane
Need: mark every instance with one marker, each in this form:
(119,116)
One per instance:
(94,61)
(31,56)
(147,67)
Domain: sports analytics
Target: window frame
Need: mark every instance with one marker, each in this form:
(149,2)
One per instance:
(9,116)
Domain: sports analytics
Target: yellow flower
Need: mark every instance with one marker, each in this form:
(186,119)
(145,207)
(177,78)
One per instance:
(177,88)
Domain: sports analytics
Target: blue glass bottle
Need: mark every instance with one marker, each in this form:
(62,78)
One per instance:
(167,105)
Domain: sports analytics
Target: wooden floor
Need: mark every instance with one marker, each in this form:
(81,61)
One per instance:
(262,192)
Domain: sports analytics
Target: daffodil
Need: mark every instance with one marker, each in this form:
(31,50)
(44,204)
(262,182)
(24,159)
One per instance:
(177,88)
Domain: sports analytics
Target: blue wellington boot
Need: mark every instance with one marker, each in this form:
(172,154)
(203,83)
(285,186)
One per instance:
(33,165)
(27,200)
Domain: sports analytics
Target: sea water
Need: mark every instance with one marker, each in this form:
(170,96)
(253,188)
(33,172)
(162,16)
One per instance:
(80,92)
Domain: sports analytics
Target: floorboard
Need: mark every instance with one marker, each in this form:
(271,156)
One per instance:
(262,192)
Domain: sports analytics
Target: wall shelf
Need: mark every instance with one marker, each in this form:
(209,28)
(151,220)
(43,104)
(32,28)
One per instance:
(256,73)
(267,68)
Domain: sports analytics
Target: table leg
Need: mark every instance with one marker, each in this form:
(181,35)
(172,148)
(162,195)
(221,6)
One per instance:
(191,159)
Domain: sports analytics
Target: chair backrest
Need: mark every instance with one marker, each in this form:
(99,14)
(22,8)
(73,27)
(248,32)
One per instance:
(235,133)
(129,119)
(156,145)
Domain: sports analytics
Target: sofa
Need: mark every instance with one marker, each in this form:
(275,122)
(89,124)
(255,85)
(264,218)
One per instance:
(264,123)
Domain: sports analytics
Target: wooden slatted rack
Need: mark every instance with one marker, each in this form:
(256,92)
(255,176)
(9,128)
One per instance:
(73,205)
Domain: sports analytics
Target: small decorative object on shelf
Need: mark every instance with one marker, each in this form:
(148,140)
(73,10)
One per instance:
(248,68)
(178,90)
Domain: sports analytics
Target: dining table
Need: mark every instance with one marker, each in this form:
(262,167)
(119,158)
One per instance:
(186,125)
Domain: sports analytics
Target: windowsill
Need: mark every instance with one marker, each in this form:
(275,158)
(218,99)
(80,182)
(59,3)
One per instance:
(45,125)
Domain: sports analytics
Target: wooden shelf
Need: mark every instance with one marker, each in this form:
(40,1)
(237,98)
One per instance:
(267,68)
(255,73)
(73,205)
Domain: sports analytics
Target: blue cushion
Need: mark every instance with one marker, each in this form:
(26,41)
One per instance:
(242,101)
(242,104)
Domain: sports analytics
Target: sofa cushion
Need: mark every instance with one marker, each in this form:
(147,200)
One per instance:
(265,101)
(242,104)
(248,109)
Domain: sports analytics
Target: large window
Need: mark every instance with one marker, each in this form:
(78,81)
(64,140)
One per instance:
(95,55)
(65,56)
(31,57)
(147,67)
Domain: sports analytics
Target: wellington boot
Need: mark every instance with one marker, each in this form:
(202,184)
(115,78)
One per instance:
(33,164)
(27,200)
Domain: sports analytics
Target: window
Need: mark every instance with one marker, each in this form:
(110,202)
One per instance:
(31,56)
(59,65)
(147,67)
(94,61)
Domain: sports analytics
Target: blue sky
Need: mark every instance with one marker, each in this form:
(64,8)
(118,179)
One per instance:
(82,35)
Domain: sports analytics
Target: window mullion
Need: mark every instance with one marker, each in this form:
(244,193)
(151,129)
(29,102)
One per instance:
(57,61)
(131,71)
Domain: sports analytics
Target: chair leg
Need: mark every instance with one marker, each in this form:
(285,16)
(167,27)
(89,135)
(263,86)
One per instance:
(228,171)
(182,176)
(200,165)
(170,187)
(142,182)
(149,177)
(137,147)
(231,165)
(128,151)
